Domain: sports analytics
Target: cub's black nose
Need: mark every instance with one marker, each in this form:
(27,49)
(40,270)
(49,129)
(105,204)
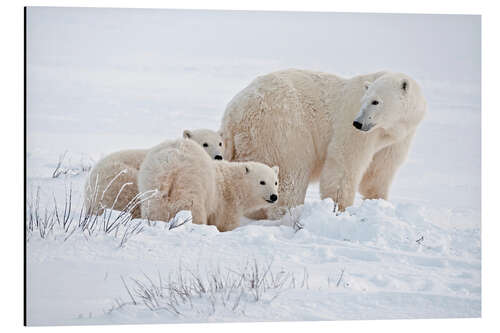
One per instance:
(273,197)
(218,157)
(357,124)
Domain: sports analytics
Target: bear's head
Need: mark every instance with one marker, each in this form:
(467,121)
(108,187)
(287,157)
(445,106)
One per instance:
(261,183)
(210,140)
(392,101)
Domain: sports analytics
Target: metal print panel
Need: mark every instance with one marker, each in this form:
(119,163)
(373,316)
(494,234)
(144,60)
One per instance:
(229,166)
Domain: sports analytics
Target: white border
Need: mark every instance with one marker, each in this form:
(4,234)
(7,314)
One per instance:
(12,163)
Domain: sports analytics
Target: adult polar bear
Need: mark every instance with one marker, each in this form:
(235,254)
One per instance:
(349,133)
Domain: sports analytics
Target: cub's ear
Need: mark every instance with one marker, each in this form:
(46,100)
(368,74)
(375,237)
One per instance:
(367,85)
(276,169)
(405,85)
(187,134)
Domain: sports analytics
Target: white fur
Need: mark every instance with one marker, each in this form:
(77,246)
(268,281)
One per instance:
(302,121)
(216,193)
(112,182)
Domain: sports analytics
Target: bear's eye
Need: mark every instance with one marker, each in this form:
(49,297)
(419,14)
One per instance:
(375,103)
(205,144)
(262,182)
(220,144)
(275,183)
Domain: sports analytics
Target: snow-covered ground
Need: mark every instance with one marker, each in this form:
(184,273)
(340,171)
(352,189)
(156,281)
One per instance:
(102,80)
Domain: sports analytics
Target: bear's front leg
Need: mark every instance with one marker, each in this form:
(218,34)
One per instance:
(339,186)
(227,221)
(341,176)
(199,213)
(377,179)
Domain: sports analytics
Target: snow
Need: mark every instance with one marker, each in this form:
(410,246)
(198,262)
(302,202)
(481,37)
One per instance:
(100,80)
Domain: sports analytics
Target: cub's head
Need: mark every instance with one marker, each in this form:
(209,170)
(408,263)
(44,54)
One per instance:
(210,140)
(388,102)
(261,183)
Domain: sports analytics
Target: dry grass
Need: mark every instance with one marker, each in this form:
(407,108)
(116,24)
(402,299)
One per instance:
(192,291)
(65,220)
(60,170)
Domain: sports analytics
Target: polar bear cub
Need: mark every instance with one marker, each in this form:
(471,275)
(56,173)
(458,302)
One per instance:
(112,182)
(216,193)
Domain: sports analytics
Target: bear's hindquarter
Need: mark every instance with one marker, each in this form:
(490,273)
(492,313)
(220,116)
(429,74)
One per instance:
(113,181)
(194,180)
(227,206)
(285,121)
(182,174)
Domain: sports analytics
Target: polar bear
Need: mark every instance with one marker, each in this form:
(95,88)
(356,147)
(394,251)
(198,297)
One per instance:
(112,182)
(216,193)
(350,134)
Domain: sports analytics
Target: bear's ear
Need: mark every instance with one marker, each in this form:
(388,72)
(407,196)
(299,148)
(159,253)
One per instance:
(187,134)
(405,85)
(367,85)
(276,169)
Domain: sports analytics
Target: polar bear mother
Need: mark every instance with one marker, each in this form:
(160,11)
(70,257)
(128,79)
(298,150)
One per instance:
(351,134)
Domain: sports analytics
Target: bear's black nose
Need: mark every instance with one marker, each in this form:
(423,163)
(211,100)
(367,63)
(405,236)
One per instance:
(357,124)
(273,197)
(218,157)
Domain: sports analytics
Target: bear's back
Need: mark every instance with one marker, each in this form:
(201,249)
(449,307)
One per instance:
(131,157)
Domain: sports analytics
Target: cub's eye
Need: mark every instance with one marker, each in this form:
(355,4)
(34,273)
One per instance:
(262,182)
(220,144)
(375,103)
(205,145)
(275,183)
